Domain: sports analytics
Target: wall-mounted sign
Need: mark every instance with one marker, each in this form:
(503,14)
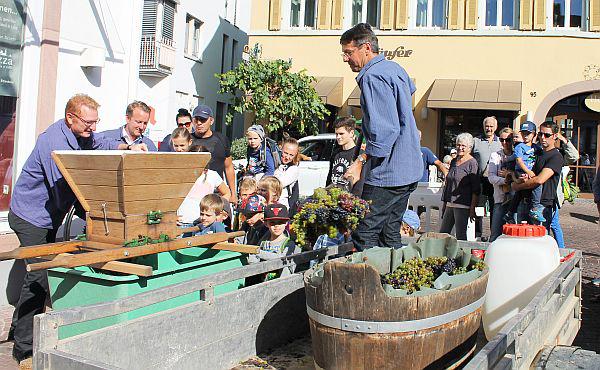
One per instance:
(592,101)
(400,52)
(12,19)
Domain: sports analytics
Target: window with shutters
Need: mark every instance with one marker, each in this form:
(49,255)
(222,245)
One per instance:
(168,20)
(302,13)
(502,13)
(157,54)
(192,37)
(568,13)
(431,13)
(365,11)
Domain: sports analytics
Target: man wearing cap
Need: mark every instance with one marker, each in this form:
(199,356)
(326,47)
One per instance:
(41,198)
(483,147)
(137,116)
(217,144)
(392,140)
(546,174)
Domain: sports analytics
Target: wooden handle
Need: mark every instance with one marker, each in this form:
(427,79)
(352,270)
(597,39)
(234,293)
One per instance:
(89,258)
(41,250)
(233,247)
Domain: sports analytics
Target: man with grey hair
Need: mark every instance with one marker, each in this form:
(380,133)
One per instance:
(392,139)
(137,116)
(483,148)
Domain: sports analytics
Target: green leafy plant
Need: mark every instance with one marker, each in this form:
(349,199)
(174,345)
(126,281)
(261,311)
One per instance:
(238,148)
(276,96)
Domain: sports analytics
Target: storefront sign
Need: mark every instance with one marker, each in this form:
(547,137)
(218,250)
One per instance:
(400,52)
(12,19)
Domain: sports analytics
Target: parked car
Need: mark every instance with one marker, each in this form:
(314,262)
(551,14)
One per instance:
(313,173)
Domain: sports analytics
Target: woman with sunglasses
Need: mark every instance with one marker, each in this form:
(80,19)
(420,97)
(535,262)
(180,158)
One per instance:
(501,167)
(184,120)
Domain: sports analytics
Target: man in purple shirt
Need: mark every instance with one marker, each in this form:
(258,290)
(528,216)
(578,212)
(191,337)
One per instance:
(137,116)
(393,147)
(41,198)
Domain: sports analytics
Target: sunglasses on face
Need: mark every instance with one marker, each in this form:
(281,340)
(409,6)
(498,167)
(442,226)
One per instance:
(506,140)
(545,134)
(186,124)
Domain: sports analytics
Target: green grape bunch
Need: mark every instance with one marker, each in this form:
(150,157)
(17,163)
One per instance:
(328,211)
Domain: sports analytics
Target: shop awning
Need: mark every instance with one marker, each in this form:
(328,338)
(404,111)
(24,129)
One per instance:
(354,98)
(330,90)
(475,94)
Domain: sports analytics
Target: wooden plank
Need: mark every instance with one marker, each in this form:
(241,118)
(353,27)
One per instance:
(140,207)
(70,181)
(95,245)
(41,250)
(138,176)
(125,253)
(168,161)
(233,247)
(135,192)
(116,266)
(95,177)
(106,161)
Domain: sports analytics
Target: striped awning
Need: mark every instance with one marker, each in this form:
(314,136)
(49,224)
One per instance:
(330,90)
(476,94)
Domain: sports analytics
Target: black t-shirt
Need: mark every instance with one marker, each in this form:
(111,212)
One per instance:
(553,160)
(218,145)
(338,165)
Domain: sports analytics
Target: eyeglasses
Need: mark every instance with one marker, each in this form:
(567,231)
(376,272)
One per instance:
(186,124)
(506,140)
(545,134)
(348,54)
(86,122)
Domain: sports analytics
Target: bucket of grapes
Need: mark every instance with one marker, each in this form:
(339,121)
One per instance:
(331,212)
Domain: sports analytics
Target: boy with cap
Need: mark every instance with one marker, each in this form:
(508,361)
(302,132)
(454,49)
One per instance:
(252,215)
(525,154)
(260,158)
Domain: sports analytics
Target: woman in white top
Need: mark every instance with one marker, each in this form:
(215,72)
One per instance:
(501,164)
(287,172)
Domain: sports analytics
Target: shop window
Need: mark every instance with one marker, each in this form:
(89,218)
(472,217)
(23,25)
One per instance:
(567,13)
(8,106)
(366,11)
(192,37)
(431,13)
(303,13)
(502,13)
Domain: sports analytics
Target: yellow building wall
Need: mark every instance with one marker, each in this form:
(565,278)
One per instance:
(543,64)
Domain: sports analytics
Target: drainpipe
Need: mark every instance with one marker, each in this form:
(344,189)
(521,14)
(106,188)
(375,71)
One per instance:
(48,65)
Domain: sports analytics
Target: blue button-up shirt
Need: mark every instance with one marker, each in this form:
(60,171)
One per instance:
(119,134)
(41,195)
(389,125)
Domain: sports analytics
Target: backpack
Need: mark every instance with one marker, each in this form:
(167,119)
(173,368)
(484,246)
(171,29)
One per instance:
(275,152)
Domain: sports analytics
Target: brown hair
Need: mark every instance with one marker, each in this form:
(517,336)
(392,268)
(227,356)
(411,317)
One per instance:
(292,141)
(74,104)
(181,132)
(212,202)
(273,186)
(506,130)
(346,122)
(136,104)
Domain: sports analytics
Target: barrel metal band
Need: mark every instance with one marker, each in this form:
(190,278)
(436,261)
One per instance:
(359,326)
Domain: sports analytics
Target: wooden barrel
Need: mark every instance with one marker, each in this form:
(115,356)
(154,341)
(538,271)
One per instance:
(354,324)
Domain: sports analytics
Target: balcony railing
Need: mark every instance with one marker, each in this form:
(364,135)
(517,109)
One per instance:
(157,57)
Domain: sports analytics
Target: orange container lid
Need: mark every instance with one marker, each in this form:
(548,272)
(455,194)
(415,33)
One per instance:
(523,230)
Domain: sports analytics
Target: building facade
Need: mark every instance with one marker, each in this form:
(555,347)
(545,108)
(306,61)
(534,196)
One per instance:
(163,52)
(514,59)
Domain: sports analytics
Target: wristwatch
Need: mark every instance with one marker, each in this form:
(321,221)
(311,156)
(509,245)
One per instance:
(362,159)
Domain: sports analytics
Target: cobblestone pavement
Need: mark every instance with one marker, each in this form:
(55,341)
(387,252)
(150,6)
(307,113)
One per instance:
(580,225)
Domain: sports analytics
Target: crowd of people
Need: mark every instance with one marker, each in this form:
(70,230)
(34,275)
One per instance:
(521,182)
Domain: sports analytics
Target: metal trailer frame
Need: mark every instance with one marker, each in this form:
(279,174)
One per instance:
(219,332)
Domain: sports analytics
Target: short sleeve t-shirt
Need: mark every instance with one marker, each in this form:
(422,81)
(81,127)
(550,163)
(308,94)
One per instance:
(553,160)
(428,159)
(207,183)
(527,155)
(219,147)
(338,166)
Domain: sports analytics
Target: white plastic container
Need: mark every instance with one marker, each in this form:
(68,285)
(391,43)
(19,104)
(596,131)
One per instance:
(520,261)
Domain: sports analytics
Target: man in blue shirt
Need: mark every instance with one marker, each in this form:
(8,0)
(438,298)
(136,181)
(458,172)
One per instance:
(137,116)
(41,198)
(392,139)
(429,159)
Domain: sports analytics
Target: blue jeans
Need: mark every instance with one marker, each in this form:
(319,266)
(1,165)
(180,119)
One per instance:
(557,230)
(536,195)
(497,221)
(381,226)
(523,214)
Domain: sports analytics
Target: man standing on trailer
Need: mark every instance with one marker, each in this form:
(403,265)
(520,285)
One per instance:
(41,198)
(393,146)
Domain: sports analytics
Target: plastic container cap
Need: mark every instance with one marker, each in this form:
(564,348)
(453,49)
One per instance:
(523,230)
